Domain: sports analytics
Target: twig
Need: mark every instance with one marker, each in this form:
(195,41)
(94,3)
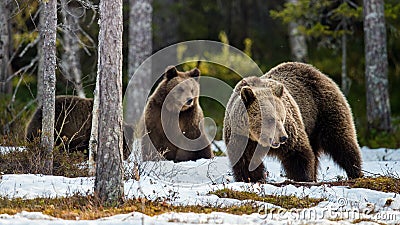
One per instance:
(219,149)
(28,46)
(23,69)
(310,184)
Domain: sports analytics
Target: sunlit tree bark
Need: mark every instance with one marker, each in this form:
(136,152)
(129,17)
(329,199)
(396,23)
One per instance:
(298,44)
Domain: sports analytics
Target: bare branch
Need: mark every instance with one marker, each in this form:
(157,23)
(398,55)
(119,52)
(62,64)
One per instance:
(24,69)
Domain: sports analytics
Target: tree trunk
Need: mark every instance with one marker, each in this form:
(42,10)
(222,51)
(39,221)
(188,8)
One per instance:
(140,48)
(49,81)
(94,132)
(297,40)
(70,64)
(376,66)
(109,172)
(39,85)
(346,82)
(5,86)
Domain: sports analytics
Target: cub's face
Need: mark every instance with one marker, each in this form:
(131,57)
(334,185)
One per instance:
(266,114)
(182,89)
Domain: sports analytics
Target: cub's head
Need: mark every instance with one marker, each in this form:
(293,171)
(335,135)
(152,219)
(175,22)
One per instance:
(266,111)
(182,89)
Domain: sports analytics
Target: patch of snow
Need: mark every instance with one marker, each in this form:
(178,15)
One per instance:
(8,149)
(189,183)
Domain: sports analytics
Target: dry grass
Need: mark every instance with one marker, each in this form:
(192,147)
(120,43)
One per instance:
(87,207)
(31,160)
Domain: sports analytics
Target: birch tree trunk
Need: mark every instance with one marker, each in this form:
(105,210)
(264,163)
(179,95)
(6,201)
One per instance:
(70,63)
(140,48)
(94,132)
(297,40)
(39,85)
(109,172)
(49,81)
(5,86)
(376,66)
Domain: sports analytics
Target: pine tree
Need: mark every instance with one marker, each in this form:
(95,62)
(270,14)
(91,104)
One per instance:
(109,172)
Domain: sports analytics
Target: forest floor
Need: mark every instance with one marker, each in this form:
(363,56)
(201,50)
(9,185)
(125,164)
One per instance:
(207,190)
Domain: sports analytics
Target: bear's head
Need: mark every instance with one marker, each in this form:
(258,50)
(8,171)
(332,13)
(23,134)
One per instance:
(182,89)
(262,99)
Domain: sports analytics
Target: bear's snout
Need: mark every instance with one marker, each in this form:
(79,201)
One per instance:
(283,139)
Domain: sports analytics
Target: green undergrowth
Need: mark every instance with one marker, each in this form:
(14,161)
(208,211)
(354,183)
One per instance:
(87,208)
(381,139)
(284,201)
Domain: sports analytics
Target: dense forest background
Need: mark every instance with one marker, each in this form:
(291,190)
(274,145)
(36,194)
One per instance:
(245,24)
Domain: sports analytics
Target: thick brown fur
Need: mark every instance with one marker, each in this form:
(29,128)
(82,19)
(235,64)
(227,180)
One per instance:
(174,108)
(317,119)
(73,121)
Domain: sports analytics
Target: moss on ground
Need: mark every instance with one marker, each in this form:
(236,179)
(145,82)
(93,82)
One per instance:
(287,202)
(382,183)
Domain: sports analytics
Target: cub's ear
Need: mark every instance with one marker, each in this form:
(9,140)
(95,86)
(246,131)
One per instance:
(247,95)
(195,73)
(170,72)
(278,90)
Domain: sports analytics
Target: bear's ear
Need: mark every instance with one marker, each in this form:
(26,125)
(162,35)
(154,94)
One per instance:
(278,90)
(170,72)
(195,73)
(247,95)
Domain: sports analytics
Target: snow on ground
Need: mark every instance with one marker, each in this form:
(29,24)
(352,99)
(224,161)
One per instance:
(189,183)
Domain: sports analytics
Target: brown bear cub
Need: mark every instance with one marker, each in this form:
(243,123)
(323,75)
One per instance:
(295,113)
(173,119)
(73,122)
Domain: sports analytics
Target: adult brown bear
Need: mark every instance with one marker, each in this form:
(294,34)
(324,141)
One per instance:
(293,112)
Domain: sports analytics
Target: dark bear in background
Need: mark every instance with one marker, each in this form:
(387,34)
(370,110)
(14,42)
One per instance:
(73,122)
(171,122)
(295,113)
